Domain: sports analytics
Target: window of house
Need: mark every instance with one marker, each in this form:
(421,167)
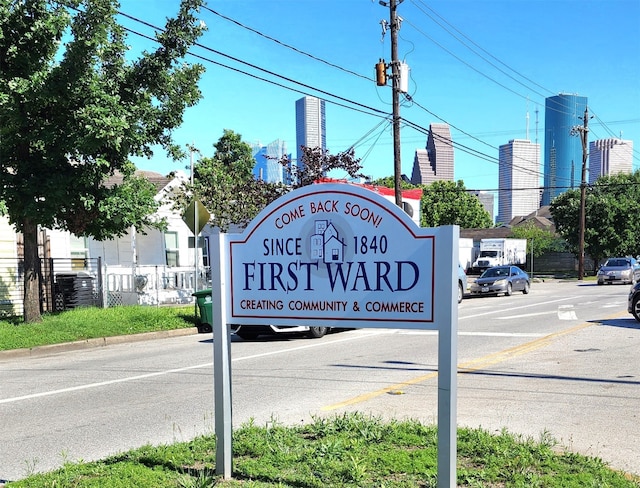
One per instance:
(171,248)
(79,251)
(205,251)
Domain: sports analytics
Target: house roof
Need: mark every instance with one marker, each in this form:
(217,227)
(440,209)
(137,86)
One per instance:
(541,218)
(156,179)
(493,232)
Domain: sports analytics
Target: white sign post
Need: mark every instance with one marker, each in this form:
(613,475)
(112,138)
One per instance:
(339,255)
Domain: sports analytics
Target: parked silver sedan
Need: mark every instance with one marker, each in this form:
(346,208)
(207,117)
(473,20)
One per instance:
(619,270)
(501,279)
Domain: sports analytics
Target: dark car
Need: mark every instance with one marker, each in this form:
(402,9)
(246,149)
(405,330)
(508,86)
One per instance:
(462,283)
(619,270)
(501,279)
(634,301)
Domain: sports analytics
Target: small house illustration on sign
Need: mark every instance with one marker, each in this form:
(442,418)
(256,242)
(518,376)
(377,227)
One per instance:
(317,246)
(326,244)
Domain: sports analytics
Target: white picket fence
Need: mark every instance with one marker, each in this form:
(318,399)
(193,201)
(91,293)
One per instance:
(153,285)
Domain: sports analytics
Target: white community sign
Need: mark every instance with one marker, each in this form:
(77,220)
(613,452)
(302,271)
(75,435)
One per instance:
(338,255)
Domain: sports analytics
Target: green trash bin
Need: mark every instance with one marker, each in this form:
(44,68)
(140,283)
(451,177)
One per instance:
(203,300)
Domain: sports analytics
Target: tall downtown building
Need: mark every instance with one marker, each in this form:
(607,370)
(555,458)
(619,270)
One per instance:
(519,179)
(608,157)
(435,162)
(562,151)
(268,167)
(310,126)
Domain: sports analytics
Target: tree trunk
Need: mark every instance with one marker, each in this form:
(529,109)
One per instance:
(31,272)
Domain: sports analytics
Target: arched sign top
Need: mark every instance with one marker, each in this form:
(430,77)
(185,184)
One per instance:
(337,255)
(323,199)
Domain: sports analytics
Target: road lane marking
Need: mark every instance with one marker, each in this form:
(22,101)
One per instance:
(473,365)
(169,371)
(510,317)
(102,383)
(470,334)
(309,346)
(519,307)
(567,314)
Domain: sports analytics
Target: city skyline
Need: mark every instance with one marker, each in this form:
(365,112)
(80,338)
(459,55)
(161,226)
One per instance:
(469,69)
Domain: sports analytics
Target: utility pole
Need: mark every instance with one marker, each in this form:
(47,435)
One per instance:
(395,89)
(381,76)
(583,131)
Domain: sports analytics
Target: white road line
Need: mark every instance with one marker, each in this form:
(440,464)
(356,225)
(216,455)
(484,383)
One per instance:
(519,307)
(526,315)
(103,383)
(470,334)
(172,371)
(567,315)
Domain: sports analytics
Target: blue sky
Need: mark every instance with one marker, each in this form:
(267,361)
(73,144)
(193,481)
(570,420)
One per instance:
(524,52)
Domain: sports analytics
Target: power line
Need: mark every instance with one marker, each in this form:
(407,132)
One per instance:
(239,24)
(377,112)
(477,45)
(363,108)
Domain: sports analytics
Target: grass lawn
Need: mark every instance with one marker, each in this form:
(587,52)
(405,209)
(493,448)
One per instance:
(91,322)
(351,450)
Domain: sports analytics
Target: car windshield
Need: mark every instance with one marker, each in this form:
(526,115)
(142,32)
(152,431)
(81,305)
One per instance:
(495,272)
(618,263)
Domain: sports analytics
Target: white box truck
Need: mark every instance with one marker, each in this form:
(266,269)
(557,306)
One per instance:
(500,251)
(466,253)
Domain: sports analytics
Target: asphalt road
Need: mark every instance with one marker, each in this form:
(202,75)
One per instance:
(561,362)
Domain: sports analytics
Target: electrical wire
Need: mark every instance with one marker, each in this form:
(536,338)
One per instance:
(239,24)
(363,108)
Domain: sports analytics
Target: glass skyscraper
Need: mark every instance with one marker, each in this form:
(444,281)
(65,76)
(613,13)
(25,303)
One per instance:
(562,151)
(268,167)
(310,126)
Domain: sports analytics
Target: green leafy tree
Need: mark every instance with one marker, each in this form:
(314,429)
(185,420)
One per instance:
(389,182)
(612,205)
(74,108)
(225,184)
(539,241)
(449,203)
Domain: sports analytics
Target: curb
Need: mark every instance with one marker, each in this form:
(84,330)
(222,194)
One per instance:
(41,351)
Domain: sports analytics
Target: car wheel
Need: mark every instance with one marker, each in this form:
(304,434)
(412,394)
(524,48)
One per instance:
(526,288)
(317,332)
(460,292)
(635,308)
(509,291)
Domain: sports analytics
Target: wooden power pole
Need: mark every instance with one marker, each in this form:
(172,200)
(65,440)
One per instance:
(381,78)
(395,88)
(583,131)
